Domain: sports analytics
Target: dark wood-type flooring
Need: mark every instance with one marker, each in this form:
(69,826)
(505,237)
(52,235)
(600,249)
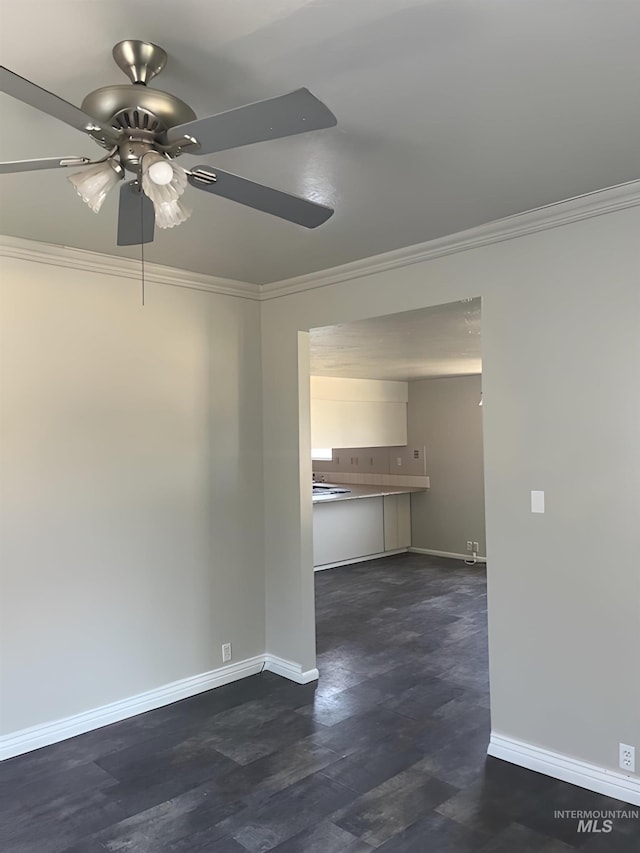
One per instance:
(387,754)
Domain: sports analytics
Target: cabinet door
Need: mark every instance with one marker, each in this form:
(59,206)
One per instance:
(358,412)
(344,530)
(358,423)
(397,522)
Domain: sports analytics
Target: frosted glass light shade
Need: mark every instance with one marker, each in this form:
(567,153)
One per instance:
(171,213)
(94,184)
(165,191)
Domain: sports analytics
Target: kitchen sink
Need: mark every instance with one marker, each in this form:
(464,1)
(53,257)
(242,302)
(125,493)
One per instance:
(329,489)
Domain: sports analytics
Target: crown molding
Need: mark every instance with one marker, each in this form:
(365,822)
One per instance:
(560,213)
(554,215)
(80,259)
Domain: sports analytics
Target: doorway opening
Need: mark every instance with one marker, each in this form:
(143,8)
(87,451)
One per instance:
(401,621)
(396,411)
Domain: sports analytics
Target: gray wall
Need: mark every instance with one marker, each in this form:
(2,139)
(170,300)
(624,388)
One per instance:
(131,477)
(444,416)
(561,413)
(131,496)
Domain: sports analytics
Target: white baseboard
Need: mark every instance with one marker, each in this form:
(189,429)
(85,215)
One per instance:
(451,554)
(34,737)
(360,559)
(289,669)
(608,782)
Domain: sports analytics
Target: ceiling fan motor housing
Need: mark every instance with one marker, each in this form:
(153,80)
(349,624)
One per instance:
(137,108)
(142,114)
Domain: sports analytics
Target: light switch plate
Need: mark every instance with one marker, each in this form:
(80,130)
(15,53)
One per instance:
(537,501)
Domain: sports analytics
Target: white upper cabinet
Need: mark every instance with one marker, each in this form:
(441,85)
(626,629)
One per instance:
(358,412)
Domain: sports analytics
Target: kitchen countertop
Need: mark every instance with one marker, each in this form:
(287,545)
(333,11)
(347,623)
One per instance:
(360,491)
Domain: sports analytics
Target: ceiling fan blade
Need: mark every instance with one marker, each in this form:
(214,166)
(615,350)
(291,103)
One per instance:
(27,92)
(136,216)
(285,115)
(277,203)
(43,163)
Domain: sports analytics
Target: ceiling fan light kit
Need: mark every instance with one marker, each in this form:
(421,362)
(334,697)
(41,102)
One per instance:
(146,129)
(171,213)
(164,182)
(162,191)
(94,184)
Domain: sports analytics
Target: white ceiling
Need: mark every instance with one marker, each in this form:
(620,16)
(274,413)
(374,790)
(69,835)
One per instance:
(451,113)
(424,344)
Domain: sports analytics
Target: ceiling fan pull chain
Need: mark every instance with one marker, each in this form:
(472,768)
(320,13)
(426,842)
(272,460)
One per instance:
(142,243)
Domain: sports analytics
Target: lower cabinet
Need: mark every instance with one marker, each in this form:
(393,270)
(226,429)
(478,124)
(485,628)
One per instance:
(344,530)
(397,521)
(351,529)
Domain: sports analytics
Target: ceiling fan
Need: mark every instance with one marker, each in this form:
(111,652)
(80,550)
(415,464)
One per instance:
(144,130)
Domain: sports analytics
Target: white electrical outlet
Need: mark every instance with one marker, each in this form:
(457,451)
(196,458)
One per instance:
(226,652)
(469,545)
(476,547)
(627,758)
(399,461)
